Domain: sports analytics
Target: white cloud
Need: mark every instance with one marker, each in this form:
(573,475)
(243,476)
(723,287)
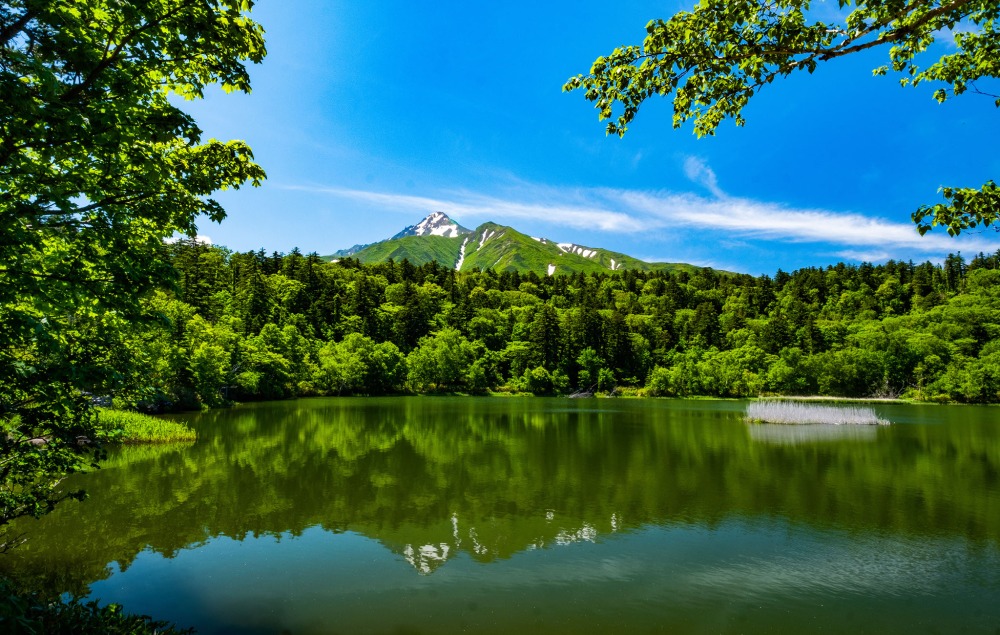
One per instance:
(784,224)
(697,170)
(866,256)
(541,204)
(639,211)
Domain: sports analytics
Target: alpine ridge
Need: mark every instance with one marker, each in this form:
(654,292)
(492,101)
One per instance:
(435,224)
(498,247)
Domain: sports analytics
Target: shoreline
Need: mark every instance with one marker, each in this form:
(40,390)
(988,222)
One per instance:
(629,395)
(890,400)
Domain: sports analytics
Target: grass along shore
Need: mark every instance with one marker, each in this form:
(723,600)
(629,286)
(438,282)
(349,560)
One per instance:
(828,398)
(123,426)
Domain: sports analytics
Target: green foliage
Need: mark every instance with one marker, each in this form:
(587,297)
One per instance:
(899,329)
(713,59)
(418,250)
(965,208)
(359,365)
(24,613)
(97,167)
(659,384)
(441,361)
(540,381)
(606,381)
(591,364)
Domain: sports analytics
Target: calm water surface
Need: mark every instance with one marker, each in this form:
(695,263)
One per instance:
(428,515)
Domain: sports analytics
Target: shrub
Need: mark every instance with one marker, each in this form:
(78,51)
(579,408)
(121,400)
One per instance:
(659,383)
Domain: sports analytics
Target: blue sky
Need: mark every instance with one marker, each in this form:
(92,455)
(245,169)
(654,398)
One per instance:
(368,116)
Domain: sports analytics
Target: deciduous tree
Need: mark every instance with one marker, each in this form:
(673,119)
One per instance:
(712,59)
(98,165)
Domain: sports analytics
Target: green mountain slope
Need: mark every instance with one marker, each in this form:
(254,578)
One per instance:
(503,248)
(417,249)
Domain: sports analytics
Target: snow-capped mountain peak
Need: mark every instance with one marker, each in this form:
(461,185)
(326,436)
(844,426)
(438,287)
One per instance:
(435,224)
(437,238)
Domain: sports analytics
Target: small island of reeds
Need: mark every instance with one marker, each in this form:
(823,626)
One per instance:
(790,412)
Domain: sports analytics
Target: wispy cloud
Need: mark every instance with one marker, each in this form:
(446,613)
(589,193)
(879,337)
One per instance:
(697,170)
(850,235)
(778,222)
(568,209)
(867,256)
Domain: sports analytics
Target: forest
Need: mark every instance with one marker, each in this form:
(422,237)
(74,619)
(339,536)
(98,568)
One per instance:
(252,326)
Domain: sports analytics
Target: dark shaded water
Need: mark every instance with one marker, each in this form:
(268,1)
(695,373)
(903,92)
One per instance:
(427,515)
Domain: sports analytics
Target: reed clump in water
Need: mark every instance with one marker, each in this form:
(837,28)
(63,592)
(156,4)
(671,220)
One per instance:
(790,412)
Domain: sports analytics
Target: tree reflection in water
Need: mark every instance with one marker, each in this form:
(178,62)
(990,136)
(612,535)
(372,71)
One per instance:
(430,478)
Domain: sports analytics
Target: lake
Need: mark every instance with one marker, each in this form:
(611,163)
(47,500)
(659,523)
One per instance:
(511,515)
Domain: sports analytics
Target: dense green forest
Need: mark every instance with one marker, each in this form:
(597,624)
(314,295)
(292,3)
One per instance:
(246,326)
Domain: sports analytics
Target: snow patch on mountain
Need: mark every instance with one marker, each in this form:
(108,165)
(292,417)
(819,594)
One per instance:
(435,224)
(461,254)
(487,234)
(552,269)
(577,249)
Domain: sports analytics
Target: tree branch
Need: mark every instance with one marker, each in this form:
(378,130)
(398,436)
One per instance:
(9,32)
(894,35)
(976,90)
(831,52)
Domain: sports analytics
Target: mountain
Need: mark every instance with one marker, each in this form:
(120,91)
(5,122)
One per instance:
(497,247)
(436,224)
(350,251)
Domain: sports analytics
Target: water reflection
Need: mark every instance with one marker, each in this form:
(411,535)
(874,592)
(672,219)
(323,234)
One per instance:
(810,433)
(436,479)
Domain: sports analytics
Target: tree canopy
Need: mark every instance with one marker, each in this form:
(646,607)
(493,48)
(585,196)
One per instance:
(250,326)
(713,59)
(98,165)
